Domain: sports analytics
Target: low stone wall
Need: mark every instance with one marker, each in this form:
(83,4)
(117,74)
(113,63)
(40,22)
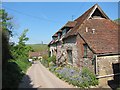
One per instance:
(103,82)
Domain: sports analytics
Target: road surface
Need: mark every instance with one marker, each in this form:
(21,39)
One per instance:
(38,76)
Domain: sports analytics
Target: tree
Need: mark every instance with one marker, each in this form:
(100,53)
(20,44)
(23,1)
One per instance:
(6,30)
(13,56)
(23,38)
(21,50)
(7,26)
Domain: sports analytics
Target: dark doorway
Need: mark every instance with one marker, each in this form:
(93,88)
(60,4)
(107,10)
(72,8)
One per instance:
(116,70)
(69,53)
(115,83)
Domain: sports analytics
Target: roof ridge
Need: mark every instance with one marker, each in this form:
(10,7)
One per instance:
(90,9)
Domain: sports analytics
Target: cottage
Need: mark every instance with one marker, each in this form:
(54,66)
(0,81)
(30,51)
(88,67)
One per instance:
(90,41)
(34,55)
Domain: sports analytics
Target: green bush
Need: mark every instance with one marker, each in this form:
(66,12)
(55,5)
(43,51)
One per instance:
(44,62)
(53,59)
(88,78)
(74,76)
(23,64)
(13,72)
(12,75)
(47,60)
(118,88)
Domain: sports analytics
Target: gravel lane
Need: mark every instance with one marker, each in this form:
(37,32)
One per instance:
(38,76)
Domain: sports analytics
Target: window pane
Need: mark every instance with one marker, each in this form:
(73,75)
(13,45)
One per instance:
(69,52)
(85,50)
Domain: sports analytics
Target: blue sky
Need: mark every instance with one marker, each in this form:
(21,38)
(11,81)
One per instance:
(44,19)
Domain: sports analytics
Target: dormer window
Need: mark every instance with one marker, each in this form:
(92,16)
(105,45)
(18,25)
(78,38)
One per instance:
(65,30)
(54,38)
(59,36)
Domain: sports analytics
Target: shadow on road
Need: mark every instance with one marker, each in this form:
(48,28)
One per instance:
(26,82)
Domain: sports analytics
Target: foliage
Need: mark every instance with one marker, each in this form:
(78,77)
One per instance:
(21,49)
(88,78)
(52,59)
(7,26)
(118,88)
(47,60)
(6,33)
(12,75)
(14,56)
(44,61)
(23,64)
(23,38)
(5,50)
(52,67)
(74,76)
(17,66)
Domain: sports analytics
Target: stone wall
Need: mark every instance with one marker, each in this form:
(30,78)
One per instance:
(69,44)
(53,49)
(84,62)
(106,66)
(59,51)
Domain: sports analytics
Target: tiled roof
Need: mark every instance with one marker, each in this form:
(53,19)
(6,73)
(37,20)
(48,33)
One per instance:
(105,36)
(70,24)
(34,54)
(80,20)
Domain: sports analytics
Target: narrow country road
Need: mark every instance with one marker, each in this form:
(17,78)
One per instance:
(38,76)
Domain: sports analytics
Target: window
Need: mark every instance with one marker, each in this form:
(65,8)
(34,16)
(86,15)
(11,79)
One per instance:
(69,53)
(54,38)
(64,32)
(85,50)
(59,36)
